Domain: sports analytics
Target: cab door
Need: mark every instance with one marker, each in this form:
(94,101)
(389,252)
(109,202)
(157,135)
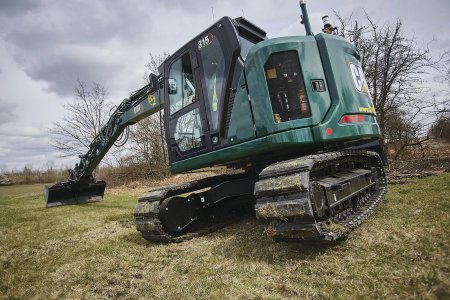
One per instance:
(187,130)
(217,50)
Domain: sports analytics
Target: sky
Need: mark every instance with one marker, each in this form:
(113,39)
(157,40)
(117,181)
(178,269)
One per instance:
(47,45)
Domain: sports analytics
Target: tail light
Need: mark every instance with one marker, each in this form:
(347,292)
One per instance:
(357,119)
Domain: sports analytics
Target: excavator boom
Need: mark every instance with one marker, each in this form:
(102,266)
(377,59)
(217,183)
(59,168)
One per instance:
(81,186)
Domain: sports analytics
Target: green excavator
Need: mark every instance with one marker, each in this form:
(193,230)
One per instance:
(291,116)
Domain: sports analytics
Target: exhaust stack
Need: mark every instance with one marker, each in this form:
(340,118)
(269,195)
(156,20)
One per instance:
(305,18)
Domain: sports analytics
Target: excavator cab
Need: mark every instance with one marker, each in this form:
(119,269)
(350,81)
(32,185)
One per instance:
(201,82)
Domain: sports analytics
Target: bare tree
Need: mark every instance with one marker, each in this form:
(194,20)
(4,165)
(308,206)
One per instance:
(441,127)
(147,138)
(443,108)
(146,146)
(153,64)
(446,66)
(85,117)
(394,65)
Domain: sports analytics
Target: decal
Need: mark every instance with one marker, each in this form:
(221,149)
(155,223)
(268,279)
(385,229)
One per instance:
(151,100)
(205,41)
(359,79)
(370,109)
(137,109)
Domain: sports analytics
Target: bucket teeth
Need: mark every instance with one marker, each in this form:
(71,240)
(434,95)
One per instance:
(66,193)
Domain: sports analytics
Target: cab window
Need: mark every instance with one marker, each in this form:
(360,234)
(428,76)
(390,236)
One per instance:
(188,131)
(181,85)
(213,61)
(245,46)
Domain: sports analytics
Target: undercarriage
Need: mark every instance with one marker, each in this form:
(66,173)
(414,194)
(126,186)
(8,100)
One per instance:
(180,212)
(314,198)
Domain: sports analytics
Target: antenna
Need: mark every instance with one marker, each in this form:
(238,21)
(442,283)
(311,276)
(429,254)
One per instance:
(212,12)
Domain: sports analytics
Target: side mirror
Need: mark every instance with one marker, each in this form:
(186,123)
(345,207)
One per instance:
(172,86)
(153,82)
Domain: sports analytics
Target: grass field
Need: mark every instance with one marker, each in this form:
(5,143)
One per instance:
(93,251)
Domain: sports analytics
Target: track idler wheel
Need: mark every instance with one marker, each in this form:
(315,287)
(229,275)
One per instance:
(176,213)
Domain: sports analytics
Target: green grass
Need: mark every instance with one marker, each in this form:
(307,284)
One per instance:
(93,251)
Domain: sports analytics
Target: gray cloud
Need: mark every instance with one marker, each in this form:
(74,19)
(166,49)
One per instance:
(62,71)
(28,145)
(6,112)
(13,8)
(62,41)
(25,132)
(58,42)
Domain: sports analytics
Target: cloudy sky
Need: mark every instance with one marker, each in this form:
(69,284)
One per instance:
(46,45)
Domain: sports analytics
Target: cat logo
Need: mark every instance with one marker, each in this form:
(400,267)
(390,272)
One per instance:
(359,79)
(151,100)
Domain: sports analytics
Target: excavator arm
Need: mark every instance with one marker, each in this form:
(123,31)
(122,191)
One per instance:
(81,186)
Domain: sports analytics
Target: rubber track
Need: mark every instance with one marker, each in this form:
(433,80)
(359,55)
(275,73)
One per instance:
(349,219)
(345,220)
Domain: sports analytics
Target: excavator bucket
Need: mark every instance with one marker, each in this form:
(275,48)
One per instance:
(65,193)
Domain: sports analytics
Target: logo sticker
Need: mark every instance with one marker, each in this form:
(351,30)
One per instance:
(359,79)
(370,109)
(151,100)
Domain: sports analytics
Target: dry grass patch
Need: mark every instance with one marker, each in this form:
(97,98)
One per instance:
(91,251)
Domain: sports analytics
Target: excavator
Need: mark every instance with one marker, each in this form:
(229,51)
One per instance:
(290,117)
